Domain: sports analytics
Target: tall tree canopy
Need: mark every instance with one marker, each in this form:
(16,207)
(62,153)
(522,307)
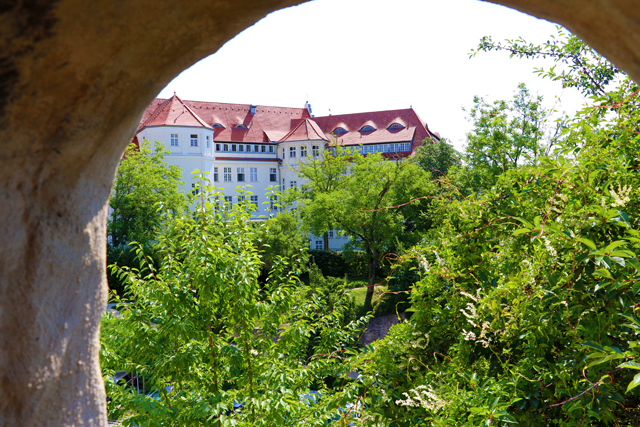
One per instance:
(506,134)
(359,196)
(142,181)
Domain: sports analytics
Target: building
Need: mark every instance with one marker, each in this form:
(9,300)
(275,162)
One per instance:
(241,145)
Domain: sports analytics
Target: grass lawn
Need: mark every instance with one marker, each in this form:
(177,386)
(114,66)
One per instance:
(360,294)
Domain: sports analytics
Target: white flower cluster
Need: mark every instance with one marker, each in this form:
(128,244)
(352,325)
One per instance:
(621,198)
(420,342)
(422,396)
(472,318)
(552,251)
(424,264)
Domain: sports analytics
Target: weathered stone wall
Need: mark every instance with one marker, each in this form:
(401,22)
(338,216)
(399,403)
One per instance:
(75,76)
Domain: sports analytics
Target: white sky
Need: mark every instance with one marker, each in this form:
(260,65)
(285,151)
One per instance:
(364,55)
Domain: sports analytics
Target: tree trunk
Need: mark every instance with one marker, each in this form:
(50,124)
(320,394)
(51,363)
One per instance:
(372,258)
(326,241)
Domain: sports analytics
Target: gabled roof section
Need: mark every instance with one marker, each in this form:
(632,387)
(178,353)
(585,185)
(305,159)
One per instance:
(305,130)
(415,129)
(268,124)
(172,112)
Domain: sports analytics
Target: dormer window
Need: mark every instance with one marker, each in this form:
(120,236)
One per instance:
(217,126)
(367,128)
(339,130)
(395,126)
(240,127)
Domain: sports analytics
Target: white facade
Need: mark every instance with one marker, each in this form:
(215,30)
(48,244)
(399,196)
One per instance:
(256,167)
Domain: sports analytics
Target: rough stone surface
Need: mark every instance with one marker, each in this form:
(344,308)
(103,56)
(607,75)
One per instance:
(75,76)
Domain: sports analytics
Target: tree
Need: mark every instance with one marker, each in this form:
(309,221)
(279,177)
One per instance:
(203,333)
(437,157)
(505,134)
(359,195)
(526,312)
(143,181)
(282,238)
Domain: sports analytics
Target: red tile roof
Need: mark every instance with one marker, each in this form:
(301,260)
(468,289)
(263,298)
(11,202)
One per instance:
(172,112)
(271,124)
(305,130)
(268,124)
(415,129)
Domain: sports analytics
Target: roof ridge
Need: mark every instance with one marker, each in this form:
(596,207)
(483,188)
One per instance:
(154,114)
(367,112)
(247,105)
(194,114)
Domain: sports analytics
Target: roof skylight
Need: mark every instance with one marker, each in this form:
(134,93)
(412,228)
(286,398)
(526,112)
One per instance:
(395,126)
(240,127)
(217,126)
(367,128)
(339,130)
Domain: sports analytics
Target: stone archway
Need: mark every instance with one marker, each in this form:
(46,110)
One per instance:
(75,76)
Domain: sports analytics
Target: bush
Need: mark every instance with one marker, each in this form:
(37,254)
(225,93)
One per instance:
(347,263)
(125,256)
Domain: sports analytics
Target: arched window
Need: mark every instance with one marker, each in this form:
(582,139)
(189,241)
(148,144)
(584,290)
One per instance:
(240,127)
(217,126)
(367,128)
(339,130)
(395,126)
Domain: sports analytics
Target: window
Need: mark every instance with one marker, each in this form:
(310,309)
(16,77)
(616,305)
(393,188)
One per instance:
(330,233)
(208,141)
(240,127)
(217,147)
(234,147)
(339,130)
(253,174)
(273,199)
(283,153)
(228,201)
(319,245)
(367,128)
(315,150)
(225,147)
(254,200)
(240,147)
(215,174)
(292,151)
(174,139)
(217,126)
(395,126)
(272,175)
(293,184)
(194,140)
(264,148)
(271,148)
(227,174)
(303,151)
(240,174)
(195,191)
(240,199)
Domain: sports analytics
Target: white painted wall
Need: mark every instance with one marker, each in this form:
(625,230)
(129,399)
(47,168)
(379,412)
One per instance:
(221,155)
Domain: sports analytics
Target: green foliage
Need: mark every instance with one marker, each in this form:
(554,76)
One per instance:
(203,332)
(343,263)
(525,308)
(437,157)
(505,134)
(581,67)
(360,196)
(125,256)
(282,238)
(142,183)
